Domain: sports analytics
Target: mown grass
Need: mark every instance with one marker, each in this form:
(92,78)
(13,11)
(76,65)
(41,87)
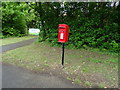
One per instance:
(87,68)
(10,40)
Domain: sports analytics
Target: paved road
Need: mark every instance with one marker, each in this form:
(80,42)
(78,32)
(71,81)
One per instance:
(17,77)
(5,48)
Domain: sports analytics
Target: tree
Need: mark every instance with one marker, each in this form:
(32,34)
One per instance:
(15,18)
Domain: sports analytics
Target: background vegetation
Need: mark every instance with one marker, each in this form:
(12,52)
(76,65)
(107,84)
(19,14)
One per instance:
(15,18)
(92,24)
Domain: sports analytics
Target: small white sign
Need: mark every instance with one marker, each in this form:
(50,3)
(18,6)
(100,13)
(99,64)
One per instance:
(34,31)
(61,36)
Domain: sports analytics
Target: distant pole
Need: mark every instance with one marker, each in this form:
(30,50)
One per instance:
(63,55)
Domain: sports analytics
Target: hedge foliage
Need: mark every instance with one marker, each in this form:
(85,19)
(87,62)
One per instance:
(93,24)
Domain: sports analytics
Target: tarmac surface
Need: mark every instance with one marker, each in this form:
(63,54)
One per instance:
(5,48)
(17,77)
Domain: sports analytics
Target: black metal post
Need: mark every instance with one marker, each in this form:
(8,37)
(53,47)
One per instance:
(63,54)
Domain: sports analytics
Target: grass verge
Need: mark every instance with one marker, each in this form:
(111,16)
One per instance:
(11,40)
(83,67)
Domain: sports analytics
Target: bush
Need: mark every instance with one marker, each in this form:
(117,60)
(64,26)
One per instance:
(8,31)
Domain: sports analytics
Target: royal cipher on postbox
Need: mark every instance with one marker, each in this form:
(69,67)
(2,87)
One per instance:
(63,33)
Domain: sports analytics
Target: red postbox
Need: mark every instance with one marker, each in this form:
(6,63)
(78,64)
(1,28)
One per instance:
(63,33)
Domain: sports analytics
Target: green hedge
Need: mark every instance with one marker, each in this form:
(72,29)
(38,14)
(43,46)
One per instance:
(85,36)
(97,28)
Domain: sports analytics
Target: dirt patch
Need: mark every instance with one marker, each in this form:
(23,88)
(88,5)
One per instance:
(57,70)
(89,80)
(94,78)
